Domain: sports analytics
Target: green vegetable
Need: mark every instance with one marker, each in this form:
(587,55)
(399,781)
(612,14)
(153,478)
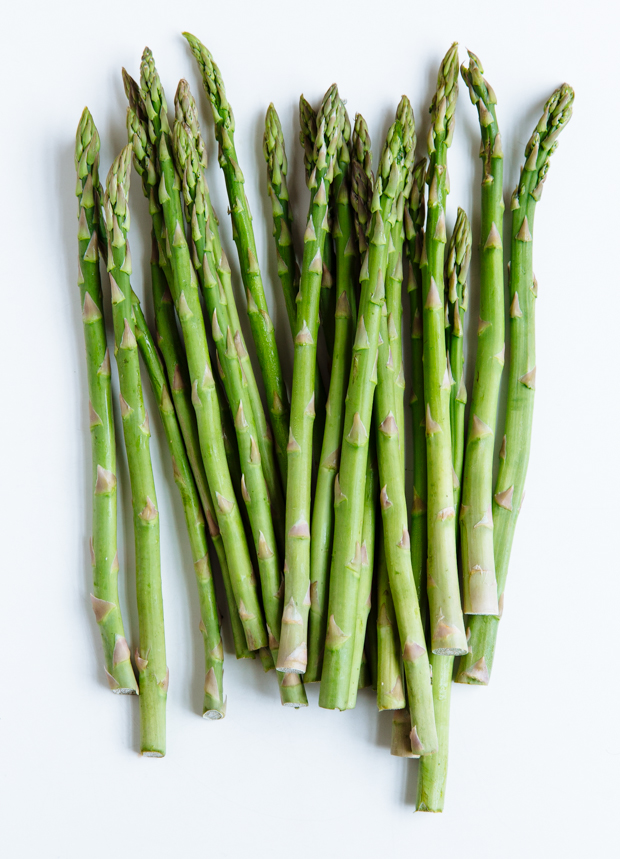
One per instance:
(476,666)
(243,234)
(479,582)
(293,654)
(104,556)
(151,655)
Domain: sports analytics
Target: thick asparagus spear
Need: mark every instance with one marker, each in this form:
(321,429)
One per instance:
(434,768)
(414,229)
(186,112)
(349,495)
(254,487)
(293,654)
(476,520)
(150,109)
(457,266)
(476,666)
(243,234)
(214,706)
(151,655)
(446,618)
(322,531)
(104,556)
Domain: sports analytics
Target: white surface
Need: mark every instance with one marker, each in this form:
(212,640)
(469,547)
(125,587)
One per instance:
(534,761)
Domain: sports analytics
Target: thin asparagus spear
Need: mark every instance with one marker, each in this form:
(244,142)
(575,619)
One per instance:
(349,495)
(214,706)
(457,266)
(327,299)
(186,112)
(293,654)
(364,590)
(390,692)
(151,655)
(394,308)
(476,520)
(401,735)
(104,556)
(243,234)
(149,110)
(277,169)
(414,228)
(323,511)
(253,485)
(446,618)
(476,666)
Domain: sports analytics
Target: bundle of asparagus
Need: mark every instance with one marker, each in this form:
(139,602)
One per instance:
(352,590)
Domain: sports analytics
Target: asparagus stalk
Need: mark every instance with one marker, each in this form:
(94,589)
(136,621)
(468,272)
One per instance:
(277,168)
(243,234)
(359,673)
(476,666)
(293,654)
(254,487)
(348,491)
(186,112)
(414,228)
(104,556)
(433,770)
(390,691)
(151,655)
(476,520)
(446,619)
(214,706)
(457,266)
(149,110)
(401,735)
(322,531)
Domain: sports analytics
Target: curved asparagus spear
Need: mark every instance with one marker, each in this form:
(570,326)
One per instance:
(293,654)
(277,168)
(457,266)
(104,556)
(348,493)
(253,485)
(214,706)
(476,521)
(186,112)
(446,618)
(151,655)
(323,510)
(151,112)
(414,229)
(476,666)
(243,234)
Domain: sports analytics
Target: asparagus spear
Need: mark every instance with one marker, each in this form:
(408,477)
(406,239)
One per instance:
(434,768)
(476,666)
(476,520)
(457,266)
(323,511)
(151,655)
(104,556)
(277,168)
(214,706)
(254,487)
(446,619)
(349,505)
(414,228)
(390,691)
(359,678)
(150,112)
(186,112)
(243,233)
(293,654)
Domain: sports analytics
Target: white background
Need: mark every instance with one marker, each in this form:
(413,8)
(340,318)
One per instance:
(535,757)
